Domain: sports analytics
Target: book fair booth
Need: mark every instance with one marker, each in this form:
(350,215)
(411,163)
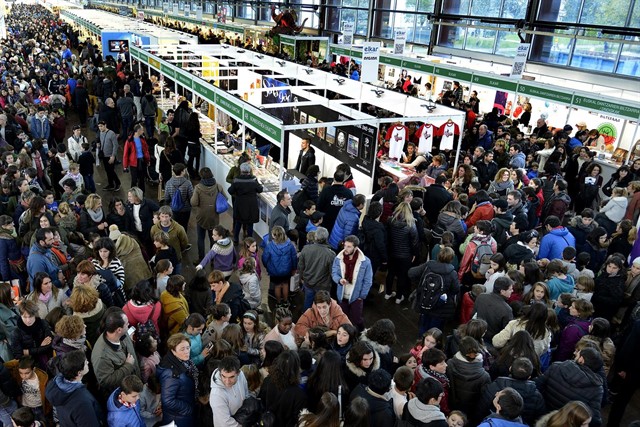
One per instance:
(256,103)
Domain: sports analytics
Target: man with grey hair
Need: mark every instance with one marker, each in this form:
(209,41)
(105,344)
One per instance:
(127,110)
(352,272)
(314,266)
(109,114)
(245,189)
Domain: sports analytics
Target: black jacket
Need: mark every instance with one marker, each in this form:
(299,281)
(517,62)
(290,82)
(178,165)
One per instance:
(29,338)
(435,197)
(607,295)
(486,172)
(449,280)
(467,379)
(403,240)
(534,405)
(147,208)
(233,298)
(374,241)
(110,116)
(330,202)
(380,410)
(305,160)
(567,381)
(285,404)
(245,190)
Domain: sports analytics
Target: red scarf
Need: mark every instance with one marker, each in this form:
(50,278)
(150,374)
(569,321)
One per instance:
(349,265)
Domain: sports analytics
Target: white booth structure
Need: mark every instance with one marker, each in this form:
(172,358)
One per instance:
(266,106)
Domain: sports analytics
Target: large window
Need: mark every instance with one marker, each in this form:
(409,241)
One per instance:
(341,11)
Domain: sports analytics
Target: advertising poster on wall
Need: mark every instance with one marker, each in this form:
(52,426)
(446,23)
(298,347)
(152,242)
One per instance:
(352,144)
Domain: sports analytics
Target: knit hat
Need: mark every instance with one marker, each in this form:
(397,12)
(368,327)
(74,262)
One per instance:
(114,232)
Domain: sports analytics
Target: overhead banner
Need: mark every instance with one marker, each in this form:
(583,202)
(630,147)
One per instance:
(520,60)
(399,41)
(199,13)
(165,7)
(347,33)
(370,62)
(175,8)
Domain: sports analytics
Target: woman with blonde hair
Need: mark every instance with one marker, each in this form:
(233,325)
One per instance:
(573,414)
(403,250)
(502,183)
(86,304)
(93,218)
(70,334)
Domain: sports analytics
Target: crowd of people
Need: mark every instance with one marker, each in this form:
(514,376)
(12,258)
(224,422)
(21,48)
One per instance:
(524,283)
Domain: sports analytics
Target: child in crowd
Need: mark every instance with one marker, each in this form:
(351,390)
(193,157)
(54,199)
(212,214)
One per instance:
(457,419)
(147,350)
(192,328)
(584,288)
(253,377)
(50,200)
(31,174)
(399,394)
(468,301)
(222,255)
(163,249)
(164,269)
(220,315)
(150,406)
(250,283)
(408,360)
(249,248)
(85,163)
(74,173)
(32,382)
(430,339)
(24,417)
(532,172)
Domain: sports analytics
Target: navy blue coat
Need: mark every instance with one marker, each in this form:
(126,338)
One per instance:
(178,392)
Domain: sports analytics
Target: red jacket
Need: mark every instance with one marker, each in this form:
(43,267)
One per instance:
(484,211)
(130,157)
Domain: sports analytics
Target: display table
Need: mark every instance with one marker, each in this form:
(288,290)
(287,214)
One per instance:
(394,169)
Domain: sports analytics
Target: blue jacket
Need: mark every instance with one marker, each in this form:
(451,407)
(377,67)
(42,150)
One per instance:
(554,242)
(518,160)
(196,348)
(346,224)
(486,141)
(178,392)
(41,259)
(40,129)
(280,259)
(119,415)
(573,143)
(9,250)
(362,276)
(494,420)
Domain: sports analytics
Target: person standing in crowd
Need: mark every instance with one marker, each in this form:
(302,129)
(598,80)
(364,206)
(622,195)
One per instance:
(126,111)
(108,154)
(179,185)
(403,250)
(314,266)
(113,356)
(228,390)
(306,157)
(245,189)
(332,198)
(352,272)
(149,111)
(74,404)
(136,157)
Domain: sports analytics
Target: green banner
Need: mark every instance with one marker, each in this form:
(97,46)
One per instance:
(496,83)
(143,57)
(205,92)
(418,66)
(134,53)
(396,62)
(544,93)
(335,50)
(229,106)
(184,80)
(622,110)
(263,126)
(460,76)
(167,70)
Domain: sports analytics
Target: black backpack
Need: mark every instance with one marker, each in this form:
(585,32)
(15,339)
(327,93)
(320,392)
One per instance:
(429,292)
(298,199)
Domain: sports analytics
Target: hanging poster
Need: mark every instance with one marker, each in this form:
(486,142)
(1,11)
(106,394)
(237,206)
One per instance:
(347,33)
(399,41)
(370,62)
(520,60)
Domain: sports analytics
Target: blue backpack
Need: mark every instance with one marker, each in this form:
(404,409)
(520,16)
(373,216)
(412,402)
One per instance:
(176,201)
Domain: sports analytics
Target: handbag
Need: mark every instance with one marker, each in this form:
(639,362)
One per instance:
(18,266)
(222,205)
